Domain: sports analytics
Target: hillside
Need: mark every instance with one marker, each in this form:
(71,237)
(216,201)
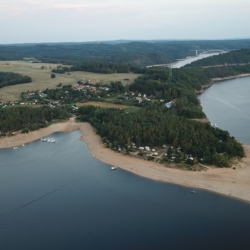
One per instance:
(134,53)
(232,58)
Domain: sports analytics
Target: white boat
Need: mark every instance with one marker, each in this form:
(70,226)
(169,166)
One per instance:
(113,168)
(15,148)
(193,191)
(53,141)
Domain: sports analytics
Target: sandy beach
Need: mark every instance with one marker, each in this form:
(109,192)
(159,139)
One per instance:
(231,182)
(20,139)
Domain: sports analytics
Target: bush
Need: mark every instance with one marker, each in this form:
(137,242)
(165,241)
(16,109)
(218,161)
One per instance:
(25,130)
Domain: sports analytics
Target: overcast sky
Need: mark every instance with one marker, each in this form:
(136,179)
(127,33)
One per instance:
(27,21)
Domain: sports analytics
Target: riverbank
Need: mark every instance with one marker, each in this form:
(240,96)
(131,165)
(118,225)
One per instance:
(19,139)
(219,79)
(231,182)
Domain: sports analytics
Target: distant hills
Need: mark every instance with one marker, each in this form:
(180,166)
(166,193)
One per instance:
(138,53)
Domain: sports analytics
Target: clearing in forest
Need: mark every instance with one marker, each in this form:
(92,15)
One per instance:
(41,78)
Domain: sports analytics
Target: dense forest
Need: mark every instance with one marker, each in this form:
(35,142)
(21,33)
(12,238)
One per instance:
(134,53)
(9,78)
(28,118)
(235,57)
(155,125)
(100,67)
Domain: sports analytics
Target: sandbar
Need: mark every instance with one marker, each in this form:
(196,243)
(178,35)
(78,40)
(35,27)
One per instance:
(226,181)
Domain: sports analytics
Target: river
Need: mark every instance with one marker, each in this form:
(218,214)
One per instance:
(226,104)
(188,60)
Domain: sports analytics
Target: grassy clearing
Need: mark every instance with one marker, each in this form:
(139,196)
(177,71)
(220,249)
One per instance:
(41,78)
(129,109)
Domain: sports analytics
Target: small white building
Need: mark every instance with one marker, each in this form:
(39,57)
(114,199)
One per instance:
(168,105)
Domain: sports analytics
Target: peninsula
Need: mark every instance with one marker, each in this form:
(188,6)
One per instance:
(226,181)
(157,107)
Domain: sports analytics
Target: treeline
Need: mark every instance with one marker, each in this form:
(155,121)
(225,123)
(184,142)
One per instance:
(28,118)
(134,53)
(9,78)
(154,125)
(235,57)
(99,67)
(227,71)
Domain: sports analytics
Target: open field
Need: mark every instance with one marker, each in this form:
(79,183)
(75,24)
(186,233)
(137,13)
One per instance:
(41,78)
(108,105)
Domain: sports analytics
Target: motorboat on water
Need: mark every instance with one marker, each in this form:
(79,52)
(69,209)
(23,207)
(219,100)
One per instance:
(193,191)
(113,168)
(48,140)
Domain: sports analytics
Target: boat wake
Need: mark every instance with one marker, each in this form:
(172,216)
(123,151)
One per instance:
(39,198)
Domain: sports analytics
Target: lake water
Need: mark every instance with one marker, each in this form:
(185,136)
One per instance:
(227,105)
(56,196)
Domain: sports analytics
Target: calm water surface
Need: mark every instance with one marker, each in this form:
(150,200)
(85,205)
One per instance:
(56,196)
(227,104)
(182,63)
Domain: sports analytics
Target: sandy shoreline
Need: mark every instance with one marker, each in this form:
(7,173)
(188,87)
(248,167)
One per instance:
(229,77)
(19,139)
(230,182)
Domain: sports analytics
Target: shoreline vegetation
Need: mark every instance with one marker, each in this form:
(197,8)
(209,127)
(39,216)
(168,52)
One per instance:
(219,79)
(225,181)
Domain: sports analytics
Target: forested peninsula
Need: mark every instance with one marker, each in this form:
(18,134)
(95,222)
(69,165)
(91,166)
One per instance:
(235,57)
(165,103)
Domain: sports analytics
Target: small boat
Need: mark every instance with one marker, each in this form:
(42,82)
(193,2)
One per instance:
(193,191)
(53,141)
(113,168)
(15,148)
